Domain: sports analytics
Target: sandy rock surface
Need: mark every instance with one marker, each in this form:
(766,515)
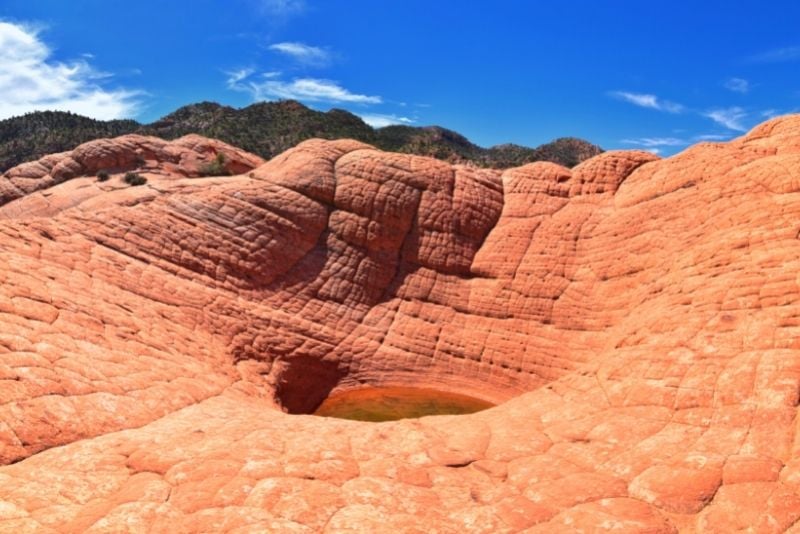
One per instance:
(637,321)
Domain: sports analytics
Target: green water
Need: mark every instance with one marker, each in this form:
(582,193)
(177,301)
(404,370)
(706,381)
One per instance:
(392,403)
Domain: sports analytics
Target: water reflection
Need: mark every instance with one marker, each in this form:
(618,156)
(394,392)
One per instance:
(392,403)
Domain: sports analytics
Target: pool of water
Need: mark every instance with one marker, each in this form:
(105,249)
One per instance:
(392,403)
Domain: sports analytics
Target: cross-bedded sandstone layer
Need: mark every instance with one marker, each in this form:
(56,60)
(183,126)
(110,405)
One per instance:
(636,318)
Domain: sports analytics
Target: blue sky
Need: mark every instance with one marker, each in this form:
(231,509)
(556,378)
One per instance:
(622,74)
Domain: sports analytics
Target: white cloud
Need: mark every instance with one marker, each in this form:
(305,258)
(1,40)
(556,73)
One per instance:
(303,53)
(730,118)
(30,81)
(377,120)
(648,101)
(737,85)
(770,113)
(237,79)
(777,55)
(302,89)
(237,76)
(313,90)
(650,142)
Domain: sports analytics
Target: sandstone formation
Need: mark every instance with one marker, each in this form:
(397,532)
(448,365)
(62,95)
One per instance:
(635,319)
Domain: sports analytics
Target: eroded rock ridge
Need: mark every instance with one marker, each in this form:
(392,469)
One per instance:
(636,319)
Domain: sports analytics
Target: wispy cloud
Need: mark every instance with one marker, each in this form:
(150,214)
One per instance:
(303,53)
(776,55)
(711,137)
(378,120)
(314,90)
(238,76)
(648,101)
(235,77)
(30,80)
(651,142)
(737,85)
(282,8)
(730,118)
(266,87)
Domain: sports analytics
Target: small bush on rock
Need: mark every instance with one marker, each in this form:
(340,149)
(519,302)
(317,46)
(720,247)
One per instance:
(133,178)
(102,176)
(215,168)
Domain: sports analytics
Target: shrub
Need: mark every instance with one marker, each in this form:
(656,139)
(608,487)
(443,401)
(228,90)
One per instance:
(102,176)
(133,178)
(215,168)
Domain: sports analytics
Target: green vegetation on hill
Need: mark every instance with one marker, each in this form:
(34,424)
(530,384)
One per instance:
(34,135)
(428,141)
(451,146)
(567,151)
(267,129)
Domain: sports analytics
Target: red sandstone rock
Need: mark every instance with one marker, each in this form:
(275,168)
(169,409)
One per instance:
(150,156)
(637,318)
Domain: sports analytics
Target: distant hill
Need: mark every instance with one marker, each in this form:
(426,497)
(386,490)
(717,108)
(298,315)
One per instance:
(269,128)
(448,145)
(38,134)
(568,151)
(266,128)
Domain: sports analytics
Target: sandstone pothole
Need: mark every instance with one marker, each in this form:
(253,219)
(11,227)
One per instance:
(377,404)
(308,385)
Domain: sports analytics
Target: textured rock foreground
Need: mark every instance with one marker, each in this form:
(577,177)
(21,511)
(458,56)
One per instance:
(637,318)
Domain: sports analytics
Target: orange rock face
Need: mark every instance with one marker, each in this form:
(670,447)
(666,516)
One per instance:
(636,319)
